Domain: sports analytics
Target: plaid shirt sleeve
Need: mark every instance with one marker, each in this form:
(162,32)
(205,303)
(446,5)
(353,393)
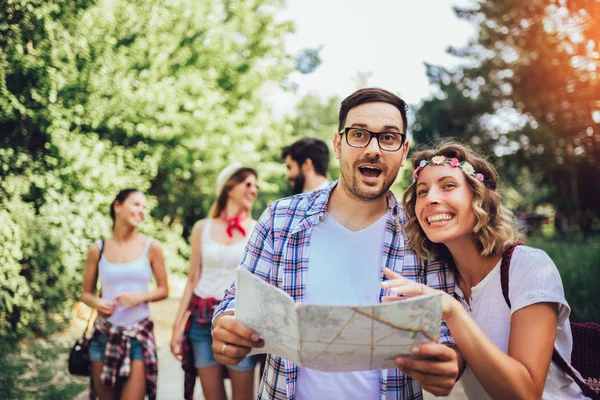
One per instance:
(258,258)
(437,275)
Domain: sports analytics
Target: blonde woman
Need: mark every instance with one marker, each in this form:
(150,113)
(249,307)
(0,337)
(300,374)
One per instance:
(218,244)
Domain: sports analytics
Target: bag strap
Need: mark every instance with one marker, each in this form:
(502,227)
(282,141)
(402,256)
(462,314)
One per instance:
(556,357)
(87,326)
(505,268)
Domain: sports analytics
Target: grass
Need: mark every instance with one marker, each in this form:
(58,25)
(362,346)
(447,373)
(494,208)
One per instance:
(37,369)
(579,266)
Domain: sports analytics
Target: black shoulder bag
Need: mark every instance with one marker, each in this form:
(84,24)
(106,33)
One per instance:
(79,357)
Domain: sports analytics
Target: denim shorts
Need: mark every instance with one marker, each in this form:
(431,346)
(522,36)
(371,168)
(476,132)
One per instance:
(203,355)
(98,346)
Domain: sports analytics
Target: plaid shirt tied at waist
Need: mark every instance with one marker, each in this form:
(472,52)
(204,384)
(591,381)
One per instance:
(117,356)
(277,253)
(201,311)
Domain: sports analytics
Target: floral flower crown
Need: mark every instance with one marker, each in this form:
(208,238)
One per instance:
(453,162)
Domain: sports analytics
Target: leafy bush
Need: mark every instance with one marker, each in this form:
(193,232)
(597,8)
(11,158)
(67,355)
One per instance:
(96,96)
(578,263)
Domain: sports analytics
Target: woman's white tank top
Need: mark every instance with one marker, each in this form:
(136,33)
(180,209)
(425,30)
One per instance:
(219,264)
(133,276)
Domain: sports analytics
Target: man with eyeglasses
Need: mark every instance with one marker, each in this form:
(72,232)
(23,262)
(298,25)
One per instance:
(329,247)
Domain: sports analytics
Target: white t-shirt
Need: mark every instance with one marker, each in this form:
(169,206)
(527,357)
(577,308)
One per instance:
(533,278)
(344,268)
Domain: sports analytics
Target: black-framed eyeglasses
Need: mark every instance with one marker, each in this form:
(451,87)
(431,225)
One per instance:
(361,137)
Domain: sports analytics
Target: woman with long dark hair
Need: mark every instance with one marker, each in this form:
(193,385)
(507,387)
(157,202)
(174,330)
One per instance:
(122,347)
(218,246)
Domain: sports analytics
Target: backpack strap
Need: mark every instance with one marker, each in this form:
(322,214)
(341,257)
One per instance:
(556,357)
(505,269)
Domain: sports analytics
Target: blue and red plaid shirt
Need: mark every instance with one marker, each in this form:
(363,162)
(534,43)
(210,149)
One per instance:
(277,252)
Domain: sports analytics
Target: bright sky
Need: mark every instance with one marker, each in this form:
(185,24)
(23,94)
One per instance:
(388,39)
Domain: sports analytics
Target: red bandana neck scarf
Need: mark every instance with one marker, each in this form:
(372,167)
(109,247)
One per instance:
(234,222)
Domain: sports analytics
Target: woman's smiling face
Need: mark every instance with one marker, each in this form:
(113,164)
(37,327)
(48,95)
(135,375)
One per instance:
(444,204)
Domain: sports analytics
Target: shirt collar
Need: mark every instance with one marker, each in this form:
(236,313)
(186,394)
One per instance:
(318,202)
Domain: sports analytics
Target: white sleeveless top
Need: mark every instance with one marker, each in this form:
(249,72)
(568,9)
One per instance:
(219,264)
(116,279)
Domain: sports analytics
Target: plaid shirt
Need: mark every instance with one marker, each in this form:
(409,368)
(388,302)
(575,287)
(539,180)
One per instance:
(277,252)
(117,358)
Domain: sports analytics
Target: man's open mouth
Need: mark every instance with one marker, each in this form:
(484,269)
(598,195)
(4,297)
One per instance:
(370,171)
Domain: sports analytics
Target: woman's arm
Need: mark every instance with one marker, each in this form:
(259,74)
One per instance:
(194,274)
(90,276)
(520,374)
(157,262)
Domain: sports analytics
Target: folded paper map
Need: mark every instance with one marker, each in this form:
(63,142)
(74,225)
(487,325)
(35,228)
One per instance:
(335,338)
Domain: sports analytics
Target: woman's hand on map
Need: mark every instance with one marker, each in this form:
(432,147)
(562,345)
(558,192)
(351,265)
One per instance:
(404,288)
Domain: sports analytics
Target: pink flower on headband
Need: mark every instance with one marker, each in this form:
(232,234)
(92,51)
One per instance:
(480,177)
(454,162)
(416,172)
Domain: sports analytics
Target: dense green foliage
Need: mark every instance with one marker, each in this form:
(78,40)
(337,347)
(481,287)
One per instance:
(97,96)
(32,373)
(577,262)
(528,92)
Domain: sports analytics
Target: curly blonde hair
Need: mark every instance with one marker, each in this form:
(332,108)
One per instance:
(495,226)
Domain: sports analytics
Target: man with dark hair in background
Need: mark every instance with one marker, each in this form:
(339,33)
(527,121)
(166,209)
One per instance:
(307,161)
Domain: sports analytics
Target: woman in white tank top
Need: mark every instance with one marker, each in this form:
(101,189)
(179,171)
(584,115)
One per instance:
(218,245)
(124,264)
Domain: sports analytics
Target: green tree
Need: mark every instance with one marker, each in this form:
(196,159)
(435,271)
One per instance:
(102,95)
(531,81)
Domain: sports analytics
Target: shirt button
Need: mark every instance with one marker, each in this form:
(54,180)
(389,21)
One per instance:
(543,294)
(320,214)
(530,296)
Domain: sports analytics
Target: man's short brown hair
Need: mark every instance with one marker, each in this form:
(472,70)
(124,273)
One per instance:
(371,95)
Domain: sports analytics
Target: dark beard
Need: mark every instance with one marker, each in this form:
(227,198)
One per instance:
(298,184)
